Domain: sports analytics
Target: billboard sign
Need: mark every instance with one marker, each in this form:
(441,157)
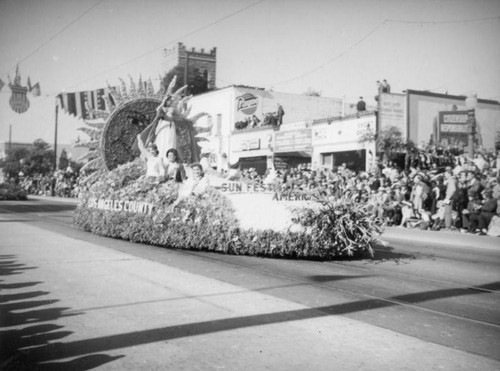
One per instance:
(392,112)
(453,128)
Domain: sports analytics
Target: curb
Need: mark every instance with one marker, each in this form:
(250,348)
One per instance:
(442,238)
(56,199)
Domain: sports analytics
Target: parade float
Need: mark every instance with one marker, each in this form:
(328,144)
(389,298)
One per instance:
(119,201)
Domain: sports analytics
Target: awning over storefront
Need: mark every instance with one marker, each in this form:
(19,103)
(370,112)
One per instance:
(305,153)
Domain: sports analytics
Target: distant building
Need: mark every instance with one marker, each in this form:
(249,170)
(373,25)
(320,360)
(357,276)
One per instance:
(423,116)
(348,140)
(204,62)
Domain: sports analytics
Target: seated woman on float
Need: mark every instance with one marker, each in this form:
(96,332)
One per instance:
(196,184)
(174,170)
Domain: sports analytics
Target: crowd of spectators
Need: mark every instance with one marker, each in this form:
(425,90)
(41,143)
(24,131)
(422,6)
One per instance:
(463,195)
(59,184)
(460,194)
(269,119)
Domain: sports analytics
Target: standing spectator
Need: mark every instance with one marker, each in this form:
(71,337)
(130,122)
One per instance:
(496,164)
(255,121)
(480,162)
(379,89)
(451,190)
(386,88)
(361,105)
(495,190)
(279,114)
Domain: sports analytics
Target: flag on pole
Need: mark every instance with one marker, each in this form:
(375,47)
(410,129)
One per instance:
(35,90)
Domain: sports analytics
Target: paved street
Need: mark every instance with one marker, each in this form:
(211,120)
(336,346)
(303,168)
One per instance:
(75,301)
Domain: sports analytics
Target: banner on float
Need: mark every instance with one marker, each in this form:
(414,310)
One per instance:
(138,207)
(271,189)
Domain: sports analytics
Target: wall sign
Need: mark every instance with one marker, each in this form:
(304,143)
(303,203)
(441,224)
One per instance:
(247,103)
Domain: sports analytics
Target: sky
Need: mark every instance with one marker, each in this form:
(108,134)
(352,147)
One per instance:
(339,48)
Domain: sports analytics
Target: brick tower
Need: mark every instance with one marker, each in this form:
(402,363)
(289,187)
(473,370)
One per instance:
(192,60)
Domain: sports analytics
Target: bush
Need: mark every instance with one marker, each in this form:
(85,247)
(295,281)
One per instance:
(338,228)
(10,191)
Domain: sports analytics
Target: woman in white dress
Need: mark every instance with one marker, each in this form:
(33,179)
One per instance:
(154,164)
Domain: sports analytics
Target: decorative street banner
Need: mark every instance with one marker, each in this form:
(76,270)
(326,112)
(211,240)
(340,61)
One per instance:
(453,128)
(19,100)
(80,104)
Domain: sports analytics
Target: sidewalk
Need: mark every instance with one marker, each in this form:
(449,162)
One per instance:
(448,238)
(74,304)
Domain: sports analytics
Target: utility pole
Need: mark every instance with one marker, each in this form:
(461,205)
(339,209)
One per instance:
(53,185)
(55,138)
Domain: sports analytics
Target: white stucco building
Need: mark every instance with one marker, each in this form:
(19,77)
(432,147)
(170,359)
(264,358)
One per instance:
(261,145)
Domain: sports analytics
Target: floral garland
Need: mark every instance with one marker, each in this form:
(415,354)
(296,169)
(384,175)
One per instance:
(339,228)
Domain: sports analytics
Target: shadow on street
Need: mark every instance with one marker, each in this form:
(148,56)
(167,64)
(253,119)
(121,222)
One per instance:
(20,347)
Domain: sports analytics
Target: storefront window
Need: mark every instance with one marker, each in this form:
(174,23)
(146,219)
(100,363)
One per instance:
(354,160)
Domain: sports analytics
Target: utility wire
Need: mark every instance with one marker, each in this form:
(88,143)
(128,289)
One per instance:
(444,22)
(170,42)
(375,29)
(59,32)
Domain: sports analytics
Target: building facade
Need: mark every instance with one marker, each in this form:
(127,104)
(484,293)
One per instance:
(442,119)
(347,142)
(243,130)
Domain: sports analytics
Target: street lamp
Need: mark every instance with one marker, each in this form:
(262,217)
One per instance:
(471,104)
(21,166)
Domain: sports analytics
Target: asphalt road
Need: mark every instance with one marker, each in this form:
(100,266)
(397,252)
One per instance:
(443,296)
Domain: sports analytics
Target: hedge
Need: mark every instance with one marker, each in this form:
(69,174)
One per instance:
(10,191)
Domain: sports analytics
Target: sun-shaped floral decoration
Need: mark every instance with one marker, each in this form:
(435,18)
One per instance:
(113,131)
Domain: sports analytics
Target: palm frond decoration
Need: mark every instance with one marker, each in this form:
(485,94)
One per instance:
(133,90)
(140,89)
(113,131)
(93,133)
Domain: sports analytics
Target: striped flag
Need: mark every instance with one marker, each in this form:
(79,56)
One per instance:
(81,103)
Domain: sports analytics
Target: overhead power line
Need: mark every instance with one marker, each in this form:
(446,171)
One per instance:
(444,22)
(375,29)
(170,42)
(338,56)
(59,32)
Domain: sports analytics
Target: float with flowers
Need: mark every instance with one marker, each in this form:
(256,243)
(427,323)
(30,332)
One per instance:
(124,197)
